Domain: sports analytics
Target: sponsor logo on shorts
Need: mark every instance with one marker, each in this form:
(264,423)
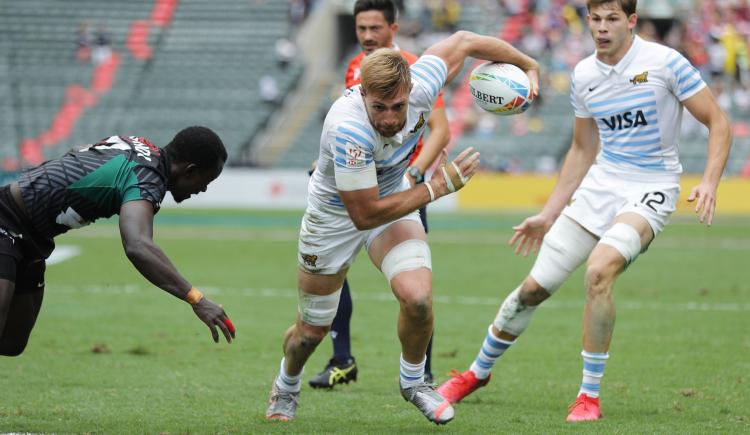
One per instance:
(309,259)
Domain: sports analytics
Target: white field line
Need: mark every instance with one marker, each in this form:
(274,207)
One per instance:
(274,293)
(491,237)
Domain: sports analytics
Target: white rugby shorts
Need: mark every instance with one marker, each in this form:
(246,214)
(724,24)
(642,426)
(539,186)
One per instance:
(329,241)
(604,195)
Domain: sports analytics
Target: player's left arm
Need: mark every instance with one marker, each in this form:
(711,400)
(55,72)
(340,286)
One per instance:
(456,48)
(704,108)
(137,234)
(436,141)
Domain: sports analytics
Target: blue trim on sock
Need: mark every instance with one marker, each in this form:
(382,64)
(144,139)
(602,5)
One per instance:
(593,367)
(590,387)
(482,364)
(494,342)
(490,355)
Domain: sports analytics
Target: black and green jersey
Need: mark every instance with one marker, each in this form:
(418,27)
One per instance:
(92,183)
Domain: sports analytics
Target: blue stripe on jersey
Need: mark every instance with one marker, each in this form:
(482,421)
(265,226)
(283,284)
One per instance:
(362,141)
(691,75)
(423,78)
(624,109)
(339,150)
(628,133)
(389,185)
(335,200)
(361,127)
(340,162)
(682,68)
(634,143)
(674,61)
(691,86)
(434,71)
(429,72)
(621,99)
(617,158)
(439,65)
(398,153)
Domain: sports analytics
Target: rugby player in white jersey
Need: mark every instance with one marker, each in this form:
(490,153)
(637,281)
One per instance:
(358,196)
(617,188)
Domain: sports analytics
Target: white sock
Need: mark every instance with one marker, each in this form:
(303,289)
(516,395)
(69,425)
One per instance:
(411,374)
(593,372)
(288,382)
(492,349)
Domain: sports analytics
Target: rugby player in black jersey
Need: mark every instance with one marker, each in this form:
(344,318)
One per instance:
(128,176)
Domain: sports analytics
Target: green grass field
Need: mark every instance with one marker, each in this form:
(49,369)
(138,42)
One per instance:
(112,354)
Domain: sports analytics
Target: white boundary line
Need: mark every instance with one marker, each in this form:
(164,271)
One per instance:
(274,293)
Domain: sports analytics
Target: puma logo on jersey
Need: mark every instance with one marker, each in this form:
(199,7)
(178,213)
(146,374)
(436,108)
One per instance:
(640,78)
(625,120)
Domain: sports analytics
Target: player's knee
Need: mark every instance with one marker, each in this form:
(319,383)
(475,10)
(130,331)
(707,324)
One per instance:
(598,278)
(417,305)
(532,293)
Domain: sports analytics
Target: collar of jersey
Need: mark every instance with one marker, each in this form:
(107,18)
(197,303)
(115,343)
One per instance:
(620,67)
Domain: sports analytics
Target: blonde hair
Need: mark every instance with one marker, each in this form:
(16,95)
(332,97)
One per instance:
(385,73)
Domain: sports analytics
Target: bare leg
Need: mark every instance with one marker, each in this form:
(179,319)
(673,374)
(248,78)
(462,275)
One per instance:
(301,339)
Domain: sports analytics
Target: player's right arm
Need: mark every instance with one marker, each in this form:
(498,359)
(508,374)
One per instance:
(136,232)
(368,210)
(456,48)
(578,160)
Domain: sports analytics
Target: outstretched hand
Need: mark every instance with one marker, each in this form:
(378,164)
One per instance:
(706,196)
(456,173)
(529,234)
(213,316)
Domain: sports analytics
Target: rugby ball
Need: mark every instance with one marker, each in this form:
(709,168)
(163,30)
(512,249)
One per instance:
(500,88)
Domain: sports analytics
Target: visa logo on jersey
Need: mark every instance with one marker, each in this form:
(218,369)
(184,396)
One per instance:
(625,120)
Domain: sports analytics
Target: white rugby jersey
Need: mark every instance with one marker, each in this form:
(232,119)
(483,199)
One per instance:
(353,155)
(637,105)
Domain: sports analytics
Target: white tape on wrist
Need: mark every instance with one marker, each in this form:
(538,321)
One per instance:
(432,192)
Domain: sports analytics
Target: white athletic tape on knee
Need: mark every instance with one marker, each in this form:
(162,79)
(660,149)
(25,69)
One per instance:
(408,255)
(565,247)
(513,316)
(625,239)
(318,310)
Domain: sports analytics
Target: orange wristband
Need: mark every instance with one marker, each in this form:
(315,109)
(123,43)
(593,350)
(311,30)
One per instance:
(193,296)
